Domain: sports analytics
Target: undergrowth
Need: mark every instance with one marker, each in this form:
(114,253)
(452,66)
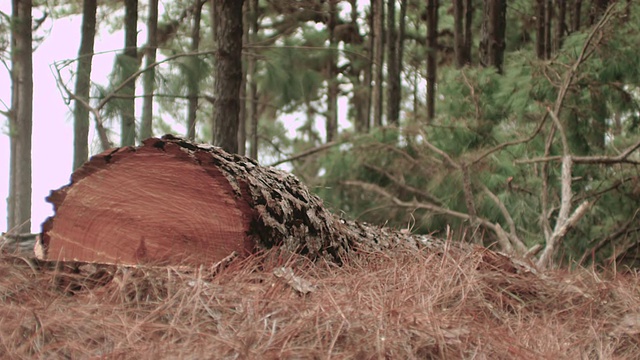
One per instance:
(403,304)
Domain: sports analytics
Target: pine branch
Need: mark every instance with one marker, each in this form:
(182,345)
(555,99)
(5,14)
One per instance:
(404,186)
(504,239)
(307,152)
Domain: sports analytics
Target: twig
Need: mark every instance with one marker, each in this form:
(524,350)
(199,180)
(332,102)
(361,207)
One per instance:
(307,152)
(406,187)
(521,248)
(511,143)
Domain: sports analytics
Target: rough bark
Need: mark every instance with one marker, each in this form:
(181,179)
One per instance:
(332,75)
(20,119)
(393,70)
(432,52)
(360,76)
(149,77)
(252,110)
(492,42)
(575,15)
(561,26)
(193,204)
(128,129)
(377,7)
(193,74)
(242,114)
(540,22)
(228,73)
(462,20)
(83,84)
(548,20)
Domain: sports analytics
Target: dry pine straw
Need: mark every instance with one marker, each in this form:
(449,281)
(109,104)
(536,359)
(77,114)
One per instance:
(403,304)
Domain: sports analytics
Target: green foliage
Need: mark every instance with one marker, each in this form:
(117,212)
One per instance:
(478,113)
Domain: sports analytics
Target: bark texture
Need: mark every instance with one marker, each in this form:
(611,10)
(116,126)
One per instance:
(170,201)
(377,8)
(149,76)
(128,129)
(462,17)
(228,74)
(193,73)
(83,84)
(492,43)
(20,119)
(432,52)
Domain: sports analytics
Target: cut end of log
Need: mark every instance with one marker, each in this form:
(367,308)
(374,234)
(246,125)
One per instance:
(156,204)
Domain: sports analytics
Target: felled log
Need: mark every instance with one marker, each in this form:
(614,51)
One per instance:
(170,201)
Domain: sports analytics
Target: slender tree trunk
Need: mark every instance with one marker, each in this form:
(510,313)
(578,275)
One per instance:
(193,73)
(253,84)
(83,84)
(20,119)
(458,33)
(332,76)
(432,52)
(128,131)
(561,26)
(242,116)
(468,22)
(492,42)
(548,28)
(378,20)
(368,72)
(228,74)
(540,9)
(149,77)
(393,67)
(462,20)
(576,18)
(360,94)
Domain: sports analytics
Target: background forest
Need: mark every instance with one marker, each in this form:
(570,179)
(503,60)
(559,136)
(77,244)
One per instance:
(513,123)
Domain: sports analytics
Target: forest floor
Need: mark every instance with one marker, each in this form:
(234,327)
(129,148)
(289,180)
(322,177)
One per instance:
(403,304)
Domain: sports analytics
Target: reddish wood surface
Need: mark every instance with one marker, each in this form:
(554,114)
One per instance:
(156,204)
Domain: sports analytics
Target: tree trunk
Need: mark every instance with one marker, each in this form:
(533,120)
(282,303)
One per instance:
(468,23)
(83,84)
(462,20)
(332,75)
(492,42)
(561,26)
(193,73)
(576,18)
(128,130)
(20,119)
(242,114)
(228,74)
(252,112)
(360,77)
(378,20)
(548,20)
(149,77)
(368,73)
(540,16)
(199,205)
(458,33)
(393,71)
(432,52)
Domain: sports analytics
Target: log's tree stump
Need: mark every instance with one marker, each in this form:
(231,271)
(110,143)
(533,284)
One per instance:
(170,201)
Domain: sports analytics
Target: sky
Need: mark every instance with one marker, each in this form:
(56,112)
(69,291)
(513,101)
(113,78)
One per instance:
(52,139)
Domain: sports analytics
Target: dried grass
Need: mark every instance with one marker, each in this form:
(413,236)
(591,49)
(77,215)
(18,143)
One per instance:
(405,304)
